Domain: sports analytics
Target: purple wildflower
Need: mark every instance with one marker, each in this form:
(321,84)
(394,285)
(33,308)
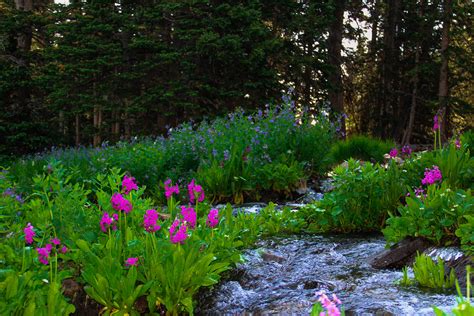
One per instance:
(180,235)
(107,222)
(195,192)
(432,176)
(170,190)
(393,153)
(119,203)
(189,216)
(131,262)
(129,184)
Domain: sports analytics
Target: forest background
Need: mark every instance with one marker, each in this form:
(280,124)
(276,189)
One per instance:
(91,71)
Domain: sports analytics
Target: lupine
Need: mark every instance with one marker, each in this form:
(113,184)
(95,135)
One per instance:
(178,233)
(149,221)
(170,190)
(119,203)
(195,192)
(29,233)
(457,143)
(129,184)
(432,176)
(108,222)
(189,216)
(406,150)
(43,254)
(393,153)
(130,262)
(213,218)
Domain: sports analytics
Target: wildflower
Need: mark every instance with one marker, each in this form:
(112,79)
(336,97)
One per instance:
(393,153)
(432,176)
(119,203)
(149,221)
(195,192)
(180,235)
(29,233)
(189,216)
(406,150)
(43,254)
(56,241)
(106,222)
(435,123)
(64,249)
(131,262)
(170,190)
(226,155)
(330,306)
(213,218)
(457,143)
(128,184)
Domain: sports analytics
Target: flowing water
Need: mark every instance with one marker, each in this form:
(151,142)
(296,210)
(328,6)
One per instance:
(282,275)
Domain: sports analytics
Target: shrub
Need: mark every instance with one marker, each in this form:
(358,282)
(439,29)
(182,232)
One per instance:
(435,216)
(363,196)
(359,147)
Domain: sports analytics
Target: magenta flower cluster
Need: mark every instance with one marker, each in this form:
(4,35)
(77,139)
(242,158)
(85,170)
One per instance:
(435,123)
(212,218)
(44,252)
(108,222)
(29,233)
(129,184)
(196,192)
(170,189)
(331,306)
(432,176)
(393,153)
(119,203)
(178,232)
(189,216)
(149,221)
(131,262)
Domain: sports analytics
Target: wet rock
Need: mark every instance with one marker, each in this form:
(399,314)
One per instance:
(459,263)
(399,255)
(309,197)
(268,256)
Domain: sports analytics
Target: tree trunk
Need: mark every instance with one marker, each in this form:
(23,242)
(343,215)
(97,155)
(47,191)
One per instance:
(414,95)
(78,130)
(24,38)
(336,92)
(443,90)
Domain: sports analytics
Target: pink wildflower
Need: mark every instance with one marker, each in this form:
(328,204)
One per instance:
(435,123)
(56,241)
(432,176)
(107,222)
(213,218)
(43,254)
(133,261)
(64,249)
(29,233)
(170,190)
(180,235)
(195,192)
(189,216)
(393,153)
(149,221)
(119,203)
(457,143)
(128,184)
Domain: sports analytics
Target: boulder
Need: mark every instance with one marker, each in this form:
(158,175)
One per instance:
(400,255)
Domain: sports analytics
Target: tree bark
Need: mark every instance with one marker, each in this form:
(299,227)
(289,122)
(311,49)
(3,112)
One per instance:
(24,38)
(336,92)
(443,90)
(414,96)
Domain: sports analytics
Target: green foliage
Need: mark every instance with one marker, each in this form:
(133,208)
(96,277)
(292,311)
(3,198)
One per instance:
(432,275)
(280,177)
(467,141)
(465,233)
(359,147)
(363,196)
(405,281)
(464,306)
(435,216)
